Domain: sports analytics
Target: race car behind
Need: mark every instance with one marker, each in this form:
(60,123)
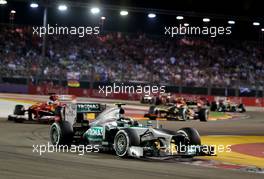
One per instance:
(227,106)
(179,111)
(41,111)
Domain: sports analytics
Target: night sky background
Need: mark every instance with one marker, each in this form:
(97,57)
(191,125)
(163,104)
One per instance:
(244,12)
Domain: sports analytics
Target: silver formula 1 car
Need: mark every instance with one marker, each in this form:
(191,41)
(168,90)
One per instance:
(113,131)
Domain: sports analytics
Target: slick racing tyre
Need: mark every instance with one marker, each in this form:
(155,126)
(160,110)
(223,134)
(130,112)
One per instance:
(183,114)
(203,115)
(191,134)
(152,113)
(233,109)
(213,106)
(221,108)
(10,118)
(241,108)
(61,133)
(19,110)
(121,143)
(152,109)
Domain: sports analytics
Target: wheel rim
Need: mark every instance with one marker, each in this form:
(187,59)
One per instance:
(184,115)
(121,144)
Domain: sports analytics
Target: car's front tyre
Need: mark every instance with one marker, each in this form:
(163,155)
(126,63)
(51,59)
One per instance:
(121,143)
(191,134)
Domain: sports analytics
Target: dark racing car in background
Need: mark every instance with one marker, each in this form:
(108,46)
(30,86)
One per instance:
(180,110)
(113,131)
(227,106)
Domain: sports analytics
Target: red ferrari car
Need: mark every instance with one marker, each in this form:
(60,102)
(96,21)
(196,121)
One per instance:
(41,111)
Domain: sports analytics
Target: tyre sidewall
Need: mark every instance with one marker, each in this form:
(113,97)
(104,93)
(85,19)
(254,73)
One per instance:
(203,115)
(65,133)
(55,127)
(192,134)
(19,110)
(183,114)
(125,152)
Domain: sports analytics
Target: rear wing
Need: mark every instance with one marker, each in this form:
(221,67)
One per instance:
(87,111)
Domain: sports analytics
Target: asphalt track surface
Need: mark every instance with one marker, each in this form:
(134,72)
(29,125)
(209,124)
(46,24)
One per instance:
(17,159)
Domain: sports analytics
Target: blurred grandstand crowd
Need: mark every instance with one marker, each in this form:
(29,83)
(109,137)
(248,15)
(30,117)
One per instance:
(131,58)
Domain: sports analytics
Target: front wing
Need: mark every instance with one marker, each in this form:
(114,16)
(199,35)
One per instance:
(188,152)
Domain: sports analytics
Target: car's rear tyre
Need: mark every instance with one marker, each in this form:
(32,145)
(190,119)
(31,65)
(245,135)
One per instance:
(203,115)
(192,135)
(10,118)
(221,108)
(183,114)
(241,108)
(61,133)
(121,143)
(152,114)
(19,110)
(152,109)
(213,106)
(233,109)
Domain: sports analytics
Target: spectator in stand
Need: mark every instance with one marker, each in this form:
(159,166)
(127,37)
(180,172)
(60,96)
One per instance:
(131,58)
